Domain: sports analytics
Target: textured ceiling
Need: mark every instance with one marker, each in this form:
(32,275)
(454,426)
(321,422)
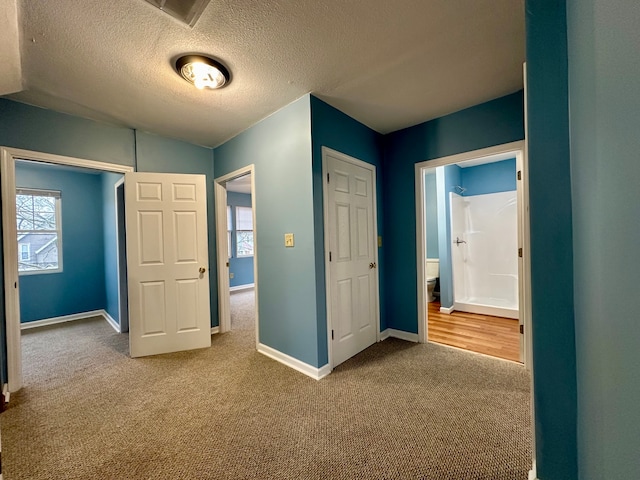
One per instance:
(389,64)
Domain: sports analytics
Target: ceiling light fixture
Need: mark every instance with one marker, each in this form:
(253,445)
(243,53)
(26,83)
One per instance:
(203,72)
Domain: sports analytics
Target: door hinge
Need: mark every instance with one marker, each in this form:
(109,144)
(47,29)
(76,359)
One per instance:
(519,174)
(521,329)
(15,285)
(327,178)
(520,252)
(329,256)
(331,334)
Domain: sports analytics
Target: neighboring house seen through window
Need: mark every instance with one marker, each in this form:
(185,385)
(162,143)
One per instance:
(244,232)
(39,231)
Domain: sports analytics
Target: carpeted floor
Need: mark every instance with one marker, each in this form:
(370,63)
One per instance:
(396,411)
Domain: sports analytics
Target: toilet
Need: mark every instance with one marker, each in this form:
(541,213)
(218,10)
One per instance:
(432,273)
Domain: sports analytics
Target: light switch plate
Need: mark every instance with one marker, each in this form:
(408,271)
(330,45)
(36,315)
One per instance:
(288,239)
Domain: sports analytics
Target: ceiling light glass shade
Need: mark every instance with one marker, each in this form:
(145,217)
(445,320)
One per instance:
(203,72)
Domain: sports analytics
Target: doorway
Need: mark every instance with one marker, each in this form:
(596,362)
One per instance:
(45,257)
(473,250)
(236,239)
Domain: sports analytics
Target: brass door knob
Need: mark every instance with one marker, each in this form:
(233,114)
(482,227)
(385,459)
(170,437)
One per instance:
(202,270)
(372,265)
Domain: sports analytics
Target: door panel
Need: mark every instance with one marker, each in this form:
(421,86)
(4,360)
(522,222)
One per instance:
(352,269)
(166,248)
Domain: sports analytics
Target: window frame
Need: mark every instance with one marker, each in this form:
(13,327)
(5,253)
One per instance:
(229,232)
(238,230)
(39,192)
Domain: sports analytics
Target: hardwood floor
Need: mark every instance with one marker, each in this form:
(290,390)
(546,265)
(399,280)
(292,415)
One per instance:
(495,336)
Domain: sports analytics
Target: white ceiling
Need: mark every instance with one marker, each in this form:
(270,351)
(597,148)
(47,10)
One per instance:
(389,64)
(240,184)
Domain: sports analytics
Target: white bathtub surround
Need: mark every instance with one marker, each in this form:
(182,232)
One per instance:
(484,254)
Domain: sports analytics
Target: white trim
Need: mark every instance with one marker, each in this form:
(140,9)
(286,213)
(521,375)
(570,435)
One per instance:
(117,185)
(111,321)
(6,393)
(71,318)
(8,157)
(384,335)
(402,335)
(447,310)
(224,291)
(533,475)
(215,330)
(300,366)
(20,154)
(246,286)
(327,267)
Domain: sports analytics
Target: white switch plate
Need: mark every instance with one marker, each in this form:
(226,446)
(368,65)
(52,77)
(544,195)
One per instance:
(288,239)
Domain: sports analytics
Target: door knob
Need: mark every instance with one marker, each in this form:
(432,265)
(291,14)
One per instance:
(202,270)
(372,265)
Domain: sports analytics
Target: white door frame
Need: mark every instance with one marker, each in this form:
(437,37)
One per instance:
(224,307)
(8,157)
(123,313)
(327,265)
(517,149)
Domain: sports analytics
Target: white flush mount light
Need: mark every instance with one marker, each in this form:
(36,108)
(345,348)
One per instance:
(202,71)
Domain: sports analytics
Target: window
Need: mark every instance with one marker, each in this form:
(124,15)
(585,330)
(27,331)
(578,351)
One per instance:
(244,231)
(39,231)
(229,229)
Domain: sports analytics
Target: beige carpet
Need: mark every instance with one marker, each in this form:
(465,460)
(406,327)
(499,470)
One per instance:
(396,411)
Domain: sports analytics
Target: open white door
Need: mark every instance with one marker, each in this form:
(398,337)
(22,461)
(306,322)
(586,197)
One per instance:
(167,263)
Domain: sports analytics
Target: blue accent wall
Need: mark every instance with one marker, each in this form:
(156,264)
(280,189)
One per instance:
(280,149)
(80,287)
(489,178)
(431,214)
(492,123)
(333,129)
(112,287)
(604,109)
(242,267)
(32,128)
(554,343)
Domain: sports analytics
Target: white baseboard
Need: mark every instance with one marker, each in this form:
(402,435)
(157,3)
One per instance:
(533,475)
(71,318)
(384,334)
(402,335)
(111,321)
(247,286)
(6,393)
(215,330)
(300,366)
(447,310)
(486,310)
(62,319)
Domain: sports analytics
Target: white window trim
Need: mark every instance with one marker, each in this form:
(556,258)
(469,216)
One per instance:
(57,194)
(229,231)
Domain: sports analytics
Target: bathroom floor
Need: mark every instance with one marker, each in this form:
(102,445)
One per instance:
(495,336)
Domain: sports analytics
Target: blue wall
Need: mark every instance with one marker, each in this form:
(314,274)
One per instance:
(489,178)
(550,215)
(280,149)
(431,213)
(37,129)
(108,181)
(242,268)
(604,94)
(80,287)
(333,129)
(492,123)
(448,178)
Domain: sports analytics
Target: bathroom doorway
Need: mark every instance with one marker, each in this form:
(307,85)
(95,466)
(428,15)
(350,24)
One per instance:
(471,232)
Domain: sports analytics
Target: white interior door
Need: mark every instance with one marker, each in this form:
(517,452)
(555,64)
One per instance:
(167,263)
(353,268)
